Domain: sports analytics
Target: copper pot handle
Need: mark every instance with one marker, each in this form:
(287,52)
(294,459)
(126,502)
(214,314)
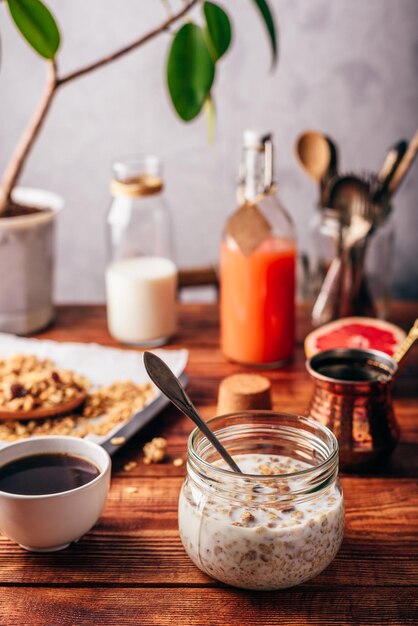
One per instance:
(407,343)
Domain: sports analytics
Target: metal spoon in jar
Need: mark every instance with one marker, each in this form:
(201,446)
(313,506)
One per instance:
(162,376)
(350,197)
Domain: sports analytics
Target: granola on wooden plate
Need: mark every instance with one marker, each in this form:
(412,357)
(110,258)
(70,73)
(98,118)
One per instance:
(28,383)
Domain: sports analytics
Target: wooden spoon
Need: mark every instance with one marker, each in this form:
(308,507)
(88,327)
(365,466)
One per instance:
(314,154)
(387,170)
(391,161)
(404,165)
(42,413)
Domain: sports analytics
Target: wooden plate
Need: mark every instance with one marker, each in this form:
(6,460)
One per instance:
(38,414)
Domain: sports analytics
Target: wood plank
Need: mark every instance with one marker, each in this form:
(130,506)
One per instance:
(212,607)
(137,542)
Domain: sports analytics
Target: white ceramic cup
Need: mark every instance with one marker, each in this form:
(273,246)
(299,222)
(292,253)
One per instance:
(46,523)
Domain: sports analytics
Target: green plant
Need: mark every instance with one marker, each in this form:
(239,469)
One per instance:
(194,53)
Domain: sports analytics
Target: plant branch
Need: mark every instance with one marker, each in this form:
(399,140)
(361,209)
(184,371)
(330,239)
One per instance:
(117,54)
(18,158)
(31,132)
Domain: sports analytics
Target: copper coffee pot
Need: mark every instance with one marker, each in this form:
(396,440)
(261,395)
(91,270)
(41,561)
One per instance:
(353,397)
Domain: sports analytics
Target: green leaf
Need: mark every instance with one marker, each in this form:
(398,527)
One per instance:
(190,71)
(266,14)
(37,26)
(218,29)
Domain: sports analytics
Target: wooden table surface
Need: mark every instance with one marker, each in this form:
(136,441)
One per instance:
(131,568)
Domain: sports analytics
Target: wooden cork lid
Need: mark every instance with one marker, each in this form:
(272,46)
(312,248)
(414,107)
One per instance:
(243,392)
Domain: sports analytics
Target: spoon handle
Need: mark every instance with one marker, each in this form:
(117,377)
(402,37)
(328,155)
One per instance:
(404,165)
(169,384)
(326,302)
(391,162)
(407,344)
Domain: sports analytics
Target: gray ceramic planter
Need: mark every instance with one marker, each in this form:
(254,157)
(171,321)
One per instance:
(27,263)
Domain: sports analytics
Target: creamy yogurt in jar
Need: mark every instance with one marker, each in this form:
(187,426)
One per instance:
(276,525)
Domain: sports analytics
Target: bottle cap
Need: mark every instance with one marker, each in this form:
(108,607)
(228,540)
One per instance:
(255,140)
(137,176)
(137,187)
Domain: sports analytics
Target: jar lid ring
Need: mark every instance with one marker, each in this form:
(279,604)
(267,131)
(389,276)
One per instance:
(136,187)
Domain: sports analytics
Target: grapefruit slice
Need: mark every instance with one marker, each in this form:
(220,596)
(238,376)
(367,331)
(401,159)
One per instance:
(355,332)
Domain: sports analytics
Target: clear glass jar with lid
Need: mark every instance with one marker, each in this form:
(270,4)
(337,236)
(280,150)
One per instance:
(138,220)
(281,521)
(257,265)
(141,276)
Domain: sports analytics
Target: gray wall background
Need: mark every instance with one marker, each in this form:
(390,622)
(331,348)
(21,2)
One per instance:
(347,67)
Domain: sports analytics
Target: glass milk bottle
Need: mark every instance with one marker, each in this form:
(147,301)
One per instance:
(141,277)
(257,267)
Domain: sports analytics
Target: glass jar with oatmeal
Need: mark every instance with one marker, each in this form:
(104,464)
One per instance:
(281,521)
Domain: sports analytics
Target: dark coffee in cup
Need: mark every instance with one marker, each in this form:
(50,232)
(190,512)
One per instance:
(42,474)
